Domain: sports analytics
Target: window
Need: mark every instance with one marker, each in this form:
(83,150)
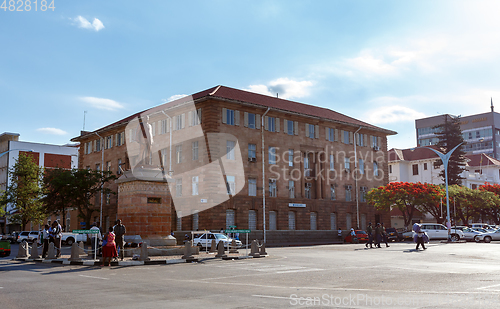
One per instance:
(415,169)
(360,139)
(88,147)
(346,137)
(361,166)
(272,220)
(98,167)
(230,218)
(178,153)
(194,150)
(425,166)
(252,187)
(332,162)
(194,185)
(362,194)
(289,127)
(330,134)
(165,126)
(290,157)
(310,130)
(98,145)
(194,117)
(271,124)
(375,168)
(390,169)
(251,121)
(272,155)
(375,141)
(473,186)
(348,195)
(231,185)
(119,167)
(178,187)
(307,170)
(272,188)
(333,221)
(230,150)
(195,220)
(228,116)
(313,217)
(291,189)
(108,166)
(333,197)
(252,220)
(252,152)
(109,142)
(108,198)
(120,139)
(348,221)
(308,186)
(291,220)
(347,164)
(179,121)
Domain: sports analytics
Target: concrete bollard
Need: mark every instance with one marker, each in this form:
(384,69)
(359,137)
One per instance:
(233,248)
(75,252)
(22,252)
(220,250)
(51,254)
(188,254)
(263,249)
(254,249)
(144,252)
(81,248)
(213,246)
(34,251)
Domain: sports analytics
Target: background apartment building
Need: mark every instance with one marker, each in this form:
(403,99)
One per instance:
(47,156)
(215,145)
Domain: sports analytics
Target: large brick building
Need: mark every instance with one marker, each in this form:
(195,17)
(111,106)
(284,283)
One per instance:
(220,141)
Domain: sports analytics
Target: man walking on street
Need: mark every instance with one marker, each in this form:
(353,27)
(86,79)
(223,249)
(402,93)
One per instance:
(369,230)
(384,235)
(378,235)
(120,231)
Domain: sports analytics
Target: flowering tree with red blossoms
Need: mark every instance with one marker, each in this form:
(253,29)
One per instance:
(493,209)
(407,197)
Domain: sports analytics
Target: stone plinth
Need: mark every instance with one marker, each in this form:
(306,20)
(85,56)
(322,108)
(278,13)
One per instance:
(144,203)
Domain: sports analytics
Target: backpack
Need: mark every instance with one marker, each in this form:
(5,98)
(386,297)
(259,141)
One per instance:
(416,227)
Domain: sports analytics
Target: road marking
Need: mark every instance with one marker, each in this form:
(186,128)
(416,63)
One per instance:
(487,287)
(94,277)
(269,296)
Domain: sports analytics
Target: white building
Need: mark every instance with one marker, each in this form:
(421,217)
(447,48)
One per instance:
(46,155)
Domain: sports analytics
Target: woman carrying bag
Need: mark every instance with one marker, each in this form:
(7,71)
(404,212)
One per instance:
(108,247)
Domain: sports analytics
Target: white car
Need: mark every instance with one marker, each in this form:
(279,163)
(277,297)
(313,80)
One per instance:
(439,231)
(488,237)
(469,234)
(205,240)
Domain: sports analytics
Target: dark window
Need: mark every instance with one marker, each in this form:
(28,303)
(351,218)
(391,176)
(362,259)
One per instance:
(425,166)
(415,169)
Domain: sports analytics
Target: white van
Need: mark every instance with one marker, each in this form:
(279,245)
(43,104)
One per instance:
(439,231)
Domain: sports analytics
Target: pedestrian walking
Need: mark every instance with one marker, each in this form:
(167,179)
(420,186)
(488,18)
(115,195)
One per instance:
(354,239)
(109,249)
(45,240)
(419,237)
(369,230)
(378,235)
(120,231)
(57,232)
(339,234)
(384,234)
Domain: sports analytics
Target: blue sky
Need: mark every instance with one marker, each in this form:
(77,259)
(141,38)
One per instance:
(384,62)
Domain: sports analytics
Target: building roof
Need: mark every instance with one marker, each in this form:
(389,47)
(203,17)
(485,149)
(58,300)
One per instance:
(481,159)
(246,97)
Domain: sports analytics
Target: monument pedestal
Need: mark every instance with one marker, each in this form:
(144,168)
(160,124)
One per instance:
(145,204)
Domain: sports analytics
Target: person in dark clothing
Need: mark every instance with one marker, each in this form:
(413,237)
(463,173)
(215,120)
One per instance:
(120,231)
(378,235)
(384,235)
(369,230)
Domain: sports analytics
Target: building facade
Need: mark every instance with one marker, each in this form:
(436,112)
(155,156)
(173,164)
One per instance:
(480,131)
(229,154)
(47,156)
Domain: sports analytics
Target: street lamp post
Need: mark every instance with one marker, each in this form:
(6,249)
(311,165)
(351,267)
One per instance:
(6,152)
(445,158)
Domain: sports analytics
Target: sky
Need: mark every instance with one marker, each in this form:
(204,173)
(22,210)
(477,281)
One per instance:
(85,64)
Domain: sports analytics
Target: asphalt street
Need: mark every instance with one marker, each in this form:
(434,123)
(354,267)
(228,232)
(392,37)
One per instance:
(465,275)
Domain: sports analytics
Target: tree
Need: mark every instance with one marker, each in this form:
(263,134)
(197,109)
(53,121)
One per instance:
(431,196)
(450,135)
(24,192)
(77,189)
(406,196)
(493,211)
(56,184)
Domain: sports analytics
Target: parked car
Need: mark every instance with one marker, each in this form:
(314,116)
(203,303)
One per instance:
(362,236)
(12,238)
(205,240)
(469,233)
(29,236)
(439,231)
(479,226)
(488,237)
(392,234)
(407,236)
(4,248)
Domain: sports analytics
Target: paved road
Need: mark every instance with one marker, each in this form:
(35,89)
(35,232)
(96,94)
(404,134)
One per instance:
(338,276)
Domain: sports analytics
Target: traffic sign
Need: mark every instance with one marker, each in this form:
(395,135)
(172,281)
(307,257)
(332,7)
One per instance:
(232,226)
(86,231)
(237,231)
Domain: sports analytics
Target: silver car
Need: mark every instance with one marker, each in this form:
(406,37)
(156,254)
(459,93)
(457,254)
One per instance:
(469,234)
(488,237)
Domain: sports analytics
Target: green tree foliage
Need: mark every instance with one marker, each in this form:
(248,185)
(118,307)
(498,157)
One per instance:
(24,192)
(77,188)
(493,207)
(407,197)
(450,135)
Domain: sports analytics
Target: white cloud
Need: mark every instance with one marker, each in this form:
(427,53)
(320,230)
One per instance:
(53,131)
(284,87)
(174,97)
(101,103)
(82,22)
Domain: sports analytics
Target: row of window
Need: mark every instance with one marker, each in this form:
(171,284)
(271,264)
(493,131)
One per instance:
(109,141)
(272,124)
